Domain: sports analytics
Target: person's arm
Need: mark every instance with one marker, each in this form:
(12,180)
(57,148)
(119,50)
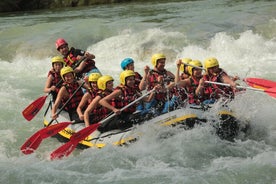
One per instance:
(143,83)
(171,76)
(90,108)
(200,87)
(226,79)
(60,96)
(48,87)
(89,55)
(177,75)
(83,102)
(105,101)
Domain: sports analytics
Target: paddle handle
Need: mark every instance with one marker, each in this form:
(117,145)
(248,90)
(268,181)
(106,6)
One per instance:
(197,67)
(239,87)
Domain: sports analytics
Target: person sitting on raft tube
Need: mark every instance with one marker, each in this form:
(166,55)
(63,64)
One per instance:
(123,94)
(67,90)
(212,92)
(72,56)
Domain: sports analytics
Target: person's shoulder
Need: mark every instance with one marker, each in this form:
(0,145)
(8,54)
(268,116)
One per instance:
(138,75)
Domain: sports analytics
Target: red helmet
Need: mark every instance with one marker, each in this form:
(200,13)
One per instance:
(60,42)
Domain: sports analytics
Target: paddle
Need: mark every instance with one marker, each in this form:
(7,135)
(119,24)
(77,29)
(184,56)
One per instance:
(34,141)
(253,82)
(67,148)
(260,83)
(269,91)
(32,109)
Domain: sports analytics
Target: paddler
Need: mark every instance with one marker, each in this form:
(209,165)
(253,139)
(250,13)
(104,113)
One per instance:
(72,56)
(212,92)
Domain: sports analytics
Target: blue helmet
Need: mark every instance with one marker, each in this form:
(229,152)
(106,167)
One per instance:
(126,62)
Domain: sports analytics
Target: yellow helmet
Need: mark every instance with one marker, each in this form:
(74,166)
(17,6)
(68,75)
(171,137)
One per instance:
(66,70)
(93,77)
(103,80)
(184,61)
(124,75)
(57,59)
(195,63)
(211,62)
(156,57)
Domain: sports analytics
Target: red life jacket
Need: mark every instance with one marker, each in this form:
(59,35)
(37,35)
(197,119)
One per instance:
(74,102)
(213,91)
(93,93)
(138,79)
(128,95)
(193,98)
(153,80)
(100,112)
(56,79)
(71,60)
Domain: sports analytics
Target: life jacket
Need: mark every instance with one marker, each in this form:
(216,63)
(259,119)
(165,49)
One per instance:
(100,112)
(71,60)
(153,80)
(181,93)
(193,98)
(74,102)
(56,79)
(138,79)
(213,91)
(93,93)
(128,95)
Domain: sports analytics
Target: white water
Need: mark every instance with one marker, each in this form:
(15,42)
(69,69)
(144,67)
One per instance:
(240,34)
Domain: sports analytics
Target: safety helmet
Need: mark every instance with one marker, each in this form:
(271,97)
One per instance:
(211,62)
(57,59)
(60,42)
(103,80)
(194,63)
(124,75)
(65,70)
(156,57)
(93,77)
(184,61)
(126,62)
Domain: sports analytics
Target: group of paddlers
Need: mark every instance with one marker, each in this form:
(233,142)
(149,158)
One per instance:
(93,97)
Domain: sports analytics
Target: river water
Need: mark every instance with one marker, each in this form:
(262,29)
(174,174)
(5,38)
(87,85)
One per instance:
(241,34)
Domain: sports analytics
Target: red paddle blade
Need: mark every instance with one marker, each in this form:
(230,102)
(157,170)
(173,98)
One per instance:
(31,144)
(53,129)
(271,92)
(32,109)
(67,148)
(34,141)
(260,83)
(64,150)
(83,133)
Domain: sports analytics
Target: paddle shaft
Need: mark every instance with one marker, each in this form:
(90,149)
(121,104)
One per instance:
(239,87)
(127,106)
(197,67)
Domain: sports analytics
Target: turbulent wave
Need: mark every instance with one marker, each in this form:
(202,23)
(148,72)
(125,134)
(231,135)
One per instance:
(240,34)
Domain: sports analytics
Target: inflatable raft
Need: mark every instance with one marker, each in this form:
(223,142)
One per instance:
(226,125)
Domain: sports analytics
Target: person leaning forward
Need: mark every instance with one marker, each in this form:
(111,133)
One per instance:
(67,90)
(123,95)
(212,92)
